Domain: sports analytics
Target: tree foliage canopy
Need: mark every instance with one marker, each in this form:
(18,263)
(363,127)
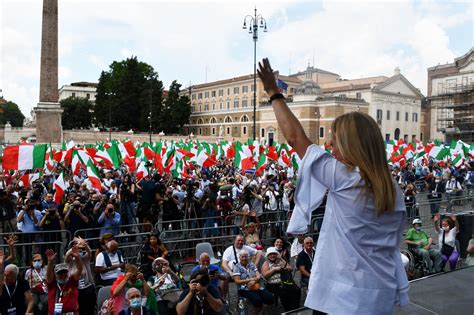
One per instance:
(10,112)
(76,113)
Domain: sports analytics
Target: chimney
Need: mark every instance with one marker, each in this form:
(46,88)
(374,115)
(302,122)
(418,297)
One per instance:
(396,71)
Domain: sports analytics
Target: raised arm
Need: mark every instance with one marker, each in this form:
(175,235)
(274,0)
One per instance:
(289,124)
(51,255)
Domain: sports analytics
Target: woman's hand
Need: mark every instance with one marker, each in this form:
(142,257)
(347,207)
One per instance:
(265,73)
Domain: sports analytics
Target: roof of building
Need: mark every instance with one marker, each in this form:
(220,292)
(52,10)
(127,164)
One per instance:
(399,77)
(347,85)
(313,70)
(243,78)
(458,62)
(84,84)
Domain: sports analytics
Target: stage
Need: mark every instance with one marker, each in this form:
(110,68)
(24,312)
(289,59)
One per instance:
(447,293)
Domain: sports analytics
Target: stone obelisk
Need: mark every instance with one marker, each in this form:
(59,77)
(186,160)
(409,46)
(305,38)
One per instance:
(48,112)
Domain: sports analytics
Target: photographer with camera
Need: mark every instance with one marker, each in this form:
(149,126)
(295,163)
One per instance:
(127,202)
(77,219)
(109,220)
(201,297)
(170,209)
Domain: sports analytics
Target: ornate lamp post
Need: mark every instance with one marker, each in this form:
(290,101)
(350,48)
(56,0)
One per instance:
(254,22)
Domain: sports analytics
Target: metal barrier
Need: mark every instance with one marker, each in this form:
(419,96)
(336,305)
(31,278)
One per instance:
(25,251)
(48,236)
(94,232)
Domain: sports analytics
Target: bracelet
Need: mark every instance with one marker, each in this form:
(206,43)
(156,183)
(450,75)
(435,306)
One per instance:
(276,96)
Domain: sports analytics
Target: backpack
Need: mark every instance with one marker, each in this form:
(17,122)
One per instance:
(107,261)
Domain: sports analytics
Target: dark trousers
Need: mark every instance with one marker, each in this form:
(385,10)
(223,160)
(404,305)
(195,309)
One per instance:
(86,296)
(258,297)
(289,295)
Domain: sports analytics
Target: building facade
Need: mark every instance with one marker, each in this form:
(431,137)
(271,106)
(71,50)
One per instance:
(451,99)
(79,89)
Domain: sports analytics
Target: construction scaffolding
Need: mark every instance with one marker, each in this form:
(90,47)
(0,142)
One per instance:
(454,105)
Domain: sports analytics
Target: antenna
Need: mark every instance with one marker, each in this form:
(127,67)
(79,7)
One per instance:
(313,57)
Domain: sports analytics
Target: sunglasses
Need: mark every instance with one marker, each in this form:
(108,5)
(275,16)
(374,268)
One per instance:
(37,260)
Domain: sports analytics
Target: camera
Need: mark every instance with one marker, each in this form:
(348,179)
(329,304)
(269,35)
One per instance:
(203,280)
(110,210)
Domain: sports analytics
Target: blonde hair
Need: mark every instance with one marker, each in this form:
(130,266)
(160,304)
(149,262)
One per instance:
(357,137)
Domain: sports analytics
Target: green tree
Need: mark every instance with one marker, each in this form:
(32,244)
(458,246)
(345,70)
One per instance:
(176,109)
(126,94)
(10,112)
(76,113)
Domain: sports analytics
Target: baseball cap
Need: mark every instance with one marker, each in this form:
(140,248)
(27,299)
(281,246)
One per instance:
(60,267)
(416,221)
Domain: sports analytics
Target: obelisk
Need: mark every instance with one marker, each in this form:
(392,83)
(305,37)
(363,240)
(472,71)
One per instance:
(48,112)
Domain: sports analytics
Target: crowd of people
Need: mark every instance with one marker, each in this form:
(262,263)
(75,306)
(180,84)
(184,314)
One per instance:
(36,280)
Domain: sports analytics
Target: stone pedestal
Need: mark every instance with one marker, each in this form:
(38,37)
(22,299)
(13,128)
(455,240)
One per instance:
(48,123)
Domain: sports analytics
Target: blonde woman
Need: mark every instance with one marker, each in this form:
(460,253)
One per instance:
(357,267)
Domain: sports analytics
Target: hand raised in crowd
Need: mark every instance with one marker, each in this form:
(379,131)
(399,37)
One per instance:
(51,255)
(2,256)
(11,240)
(436,217)
(75,252)
(140,276)
(265,73)
(79,241)
(453,217)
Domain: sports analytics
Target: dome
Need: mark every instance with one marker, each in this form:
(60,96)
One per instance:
(308,88)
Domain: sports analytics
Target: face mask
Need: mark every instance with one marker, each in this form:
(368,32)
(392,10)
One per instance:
(37,264)
(82,253)
(446,228)
(418,228)
(61,281)
(437,180)
(136,303)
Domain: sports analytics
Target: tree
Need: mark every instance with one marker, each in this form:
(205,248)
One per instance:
(126,94)
(76,113)
(10,112)
(176,109)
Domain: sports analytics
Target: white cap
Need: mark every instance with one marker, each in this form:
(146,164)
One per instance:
(272,250)
(416,221)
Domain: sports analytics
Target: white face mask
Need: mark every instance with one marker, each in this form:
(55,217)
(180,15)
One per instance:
(445,228)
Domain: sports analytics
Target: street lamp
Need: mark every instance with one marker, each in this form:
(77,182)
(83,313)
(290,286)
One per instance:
(110,94)
(149,115)
(149,125)
(254,22)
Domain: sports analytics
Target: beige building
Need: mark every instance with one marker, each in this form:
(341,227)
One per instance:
(315,96)
(79,89)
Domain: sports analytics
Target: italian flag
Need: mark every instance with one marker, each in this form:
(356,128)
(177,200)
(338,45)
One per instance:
(24,157)
(439,153)
(262,163)
(27,179)
(93,176)
(60,185)
(142,171)
(457,162)
(204,160)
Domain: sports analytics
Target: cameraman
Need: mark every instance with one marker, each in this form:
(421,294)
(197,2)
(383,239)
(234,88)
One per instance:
(77,219)
(109,220)
(201,297)
(127,202)
(170,209)
(52,221)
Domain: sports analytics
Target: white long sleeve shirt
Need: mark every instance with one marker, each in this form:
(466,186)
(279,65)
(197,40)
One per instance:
(357,268)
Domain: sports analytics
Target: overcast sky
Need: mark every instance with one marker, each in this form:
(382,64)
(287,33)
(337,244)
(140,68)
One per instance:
(191,40)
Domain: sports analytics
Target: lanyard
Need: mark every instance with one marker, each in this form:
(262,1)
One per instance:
(12,294)
(38,275)
(310,256)
(60,293)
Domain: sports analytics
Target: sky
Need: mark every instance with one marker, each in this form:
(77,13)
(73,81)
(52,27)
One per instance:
(200,41)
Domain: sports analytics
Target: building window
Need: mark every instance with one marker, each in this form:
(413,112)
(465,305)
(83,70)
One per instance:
(387,137)
(358,95)
(228,119)
(244,130)
(415,117)
(244,118)
(200,131)
(206,94)
(406,116)
(88,96)
(193,97)
(236,103)
(245,89)
(388,115)
(206,106)
(213,106)
(228,91)
(200,108)
(220,105)
(252,102)
(236,90)
(262,132)
(221,92)
(193,108)
(73,94)
(228,130)
(421,136)
(251,87)
(228,104)
(244,103)
(213,93)
(321,132)
(199,96)
(213,131)
(379,116)
(398,115)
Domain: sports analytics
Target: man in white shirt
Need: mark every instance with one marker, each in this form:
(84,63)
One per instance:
(109,263)
(231,254)
(453,189)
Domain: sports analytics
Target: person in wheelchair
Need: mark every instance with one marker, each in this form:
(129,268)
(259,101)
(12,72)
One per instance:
(420,243)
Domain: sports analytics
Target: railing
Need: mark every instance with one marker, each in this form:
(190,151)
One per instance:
(25,251)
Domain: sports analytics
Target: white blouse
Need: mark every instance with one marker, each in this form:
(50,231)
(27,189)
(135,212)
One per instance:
(357,267)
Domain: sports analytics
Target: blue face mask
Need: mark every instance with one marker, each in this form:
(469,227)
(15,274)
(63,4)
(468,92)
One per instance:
(37,264)
(136,303)
(419,228)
